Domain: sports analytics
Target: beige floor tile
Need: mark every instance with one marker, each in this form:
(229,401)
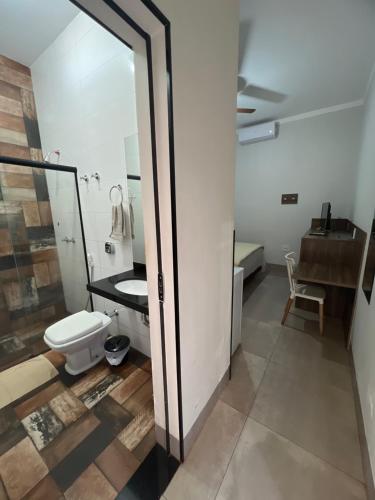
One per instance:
(247,372)
(317,416)
(265,466)
(203,470)
(322,358)
(308,322)
(259,337)
(268,301)
(21,468)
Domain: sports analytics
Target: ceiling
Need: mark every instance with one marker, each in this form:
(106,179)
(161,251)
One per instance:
(28,27)
(317,53)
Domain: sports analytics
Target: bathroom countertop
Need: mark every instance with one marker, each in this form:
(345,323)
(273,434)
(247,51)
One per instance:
(105,288)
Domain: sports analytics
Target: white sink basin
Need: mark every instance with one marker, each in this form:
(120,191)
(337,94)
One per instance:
(132,287)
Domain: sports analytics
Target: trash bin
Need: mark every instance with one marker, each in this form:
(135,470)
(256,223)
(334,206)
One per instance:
(116,349)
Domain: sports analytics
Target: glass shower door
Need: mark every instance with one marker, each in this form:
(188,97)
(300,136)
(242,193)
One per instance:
(42,266)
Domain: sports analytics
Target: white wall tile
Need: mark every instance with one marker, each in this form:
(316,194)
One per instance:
(85,97)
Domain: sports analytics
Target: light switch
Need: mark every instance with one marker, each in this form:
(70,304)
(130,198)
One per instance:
(289,199)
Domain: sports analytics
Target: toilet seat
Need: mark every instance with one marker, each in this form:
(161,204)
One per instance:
(73,327)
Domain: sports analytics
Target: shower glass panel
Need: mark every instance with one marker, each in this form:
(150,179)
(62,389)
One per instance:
(43,272)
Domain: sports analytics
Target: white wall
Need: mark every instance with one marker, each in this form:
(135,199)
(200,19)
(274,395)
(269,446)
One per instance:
(314,157)
(364,323)
(85,98)
(204,58)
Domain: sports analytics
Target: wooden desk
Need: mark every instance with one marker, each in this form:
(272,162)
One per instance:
(332,274)
(334,262)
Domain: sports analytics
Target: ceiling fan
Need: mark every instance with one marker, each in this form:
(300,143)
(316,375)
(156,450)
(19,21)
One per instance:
(243,86)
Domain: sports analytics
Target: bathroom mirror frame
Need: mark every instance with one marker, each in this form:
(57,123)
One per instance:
(369,272)
(144,28)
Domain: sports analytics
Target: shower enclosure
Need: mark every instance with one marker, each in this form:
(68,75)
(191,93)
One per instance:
(43,263)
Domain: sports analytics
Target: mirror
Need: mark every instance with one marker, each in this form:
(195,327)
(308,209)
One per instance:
(368,276)
(135,197)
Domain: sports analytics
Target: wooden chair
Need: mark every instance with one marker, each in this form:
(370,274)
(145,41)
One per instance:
(304,291)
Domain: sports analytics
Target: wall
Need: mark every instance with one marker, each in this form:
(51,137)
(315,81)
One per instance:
(363,328)
(31,293)
(85,97)
(204,59)
(314,157)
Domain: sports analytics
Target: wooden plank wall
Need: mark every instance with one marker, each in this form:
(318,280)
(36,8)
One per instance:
(31,293)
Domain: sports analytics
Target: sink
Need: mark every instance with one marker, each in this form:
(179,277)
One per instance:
(132,287)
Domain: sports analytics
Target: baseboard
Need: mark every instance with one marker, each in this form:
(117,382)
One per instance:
(197,426)
(367,471)
(160,436)
(202,417)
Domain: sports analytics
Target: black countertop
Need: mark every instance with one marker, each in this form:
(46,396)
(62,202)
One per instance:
(106,288)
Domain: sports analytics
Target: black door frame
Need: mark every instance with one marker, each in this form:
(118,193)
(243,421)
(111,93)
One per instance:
(155,11)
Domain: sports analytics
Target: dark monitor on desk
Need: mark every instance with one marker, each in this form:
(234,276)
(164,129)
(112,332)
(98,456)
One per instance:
(325,217)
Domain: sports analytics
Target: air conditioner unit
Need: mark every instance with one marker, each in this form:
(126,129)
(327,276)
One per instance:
(256,133)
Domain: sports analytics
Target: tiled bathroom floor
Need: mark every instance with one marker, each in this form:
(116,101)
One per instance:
(285,426)
(25,342)
(81,437)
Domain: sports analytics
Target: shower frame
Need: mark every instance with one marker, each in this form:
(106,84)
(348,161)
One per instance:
(7,160)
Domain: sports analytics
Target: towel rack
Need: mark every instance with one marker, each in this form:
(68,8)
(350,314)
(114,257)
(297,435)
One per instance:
(119,188)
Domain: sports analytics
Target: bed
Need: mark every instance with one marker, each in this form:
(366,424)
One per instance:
(250,256)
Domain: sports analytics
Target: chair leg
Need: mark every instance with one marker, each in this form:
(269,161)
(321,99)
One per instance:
(287,309)
(321,318)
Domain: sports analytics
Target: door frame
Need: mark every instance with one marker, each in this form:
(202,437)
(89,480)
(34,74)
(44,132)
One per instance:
(147,21)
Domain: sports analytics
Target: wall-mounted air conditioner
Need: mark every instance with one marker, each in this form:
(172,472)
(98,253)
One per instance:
(256,133)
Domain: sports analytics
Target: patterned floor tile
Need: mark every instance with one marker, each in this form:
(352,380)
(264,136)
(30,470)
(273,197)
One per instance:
(42,426)
(152,477)
(145,446)
(68,440)
(39,399)
(95,394)
(67,407)
(117,464)
(74,464)
(147,366)
(139,399)
(87,382)
(91,485)
(130,385)
(56,358)
(47,489)
(11,430)
(133,434)
(21,468)
(137,358)
(112,415)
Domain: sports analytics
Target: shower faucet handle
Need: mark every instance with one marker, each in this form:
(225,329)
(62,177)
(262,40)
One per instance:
(84,178)
(68,240)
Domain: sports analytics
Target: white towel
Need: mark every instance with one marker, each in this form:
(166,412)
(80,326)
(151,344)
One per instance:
(118,223)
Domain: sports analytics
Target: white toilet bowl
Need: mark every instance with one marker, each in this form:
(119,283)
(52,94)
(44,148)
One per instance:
(80,337)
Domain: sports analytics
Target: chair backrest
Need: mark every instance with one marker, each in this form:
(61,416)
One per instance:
(291,264)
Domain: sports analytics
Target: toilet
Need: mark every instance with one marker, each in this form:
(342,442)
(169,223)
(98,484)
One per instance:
(80,337)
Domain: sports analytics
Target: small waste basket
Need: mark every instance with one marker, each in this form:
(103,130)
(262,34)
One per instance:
(116,348)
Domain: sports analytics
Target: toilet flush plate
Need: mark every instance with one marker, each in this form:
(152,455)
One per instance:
(132,287)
